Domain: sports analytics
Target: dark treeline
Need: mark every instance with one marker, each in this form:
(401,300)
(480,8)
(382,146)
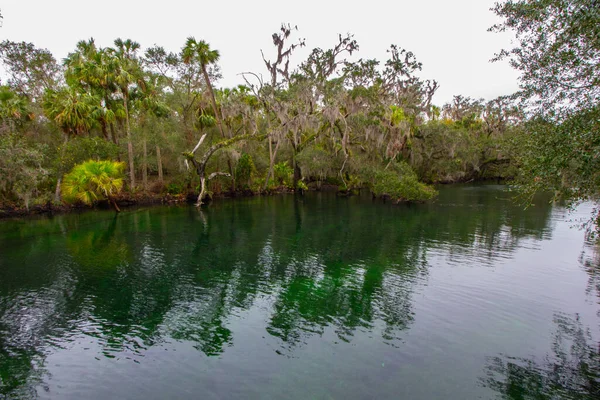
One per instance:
(331,121)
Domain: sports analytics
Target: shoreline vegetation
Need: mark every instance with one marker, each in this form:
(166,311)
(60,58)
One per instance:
(123,125)
(126,200)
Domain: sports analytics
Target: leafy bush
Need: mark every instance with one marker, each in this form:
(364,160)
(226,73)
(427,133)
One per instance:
(21,170)
(399,182)
(93,180)
(79,150)
(318,163)
(283,173)
(175,188)
(245,171)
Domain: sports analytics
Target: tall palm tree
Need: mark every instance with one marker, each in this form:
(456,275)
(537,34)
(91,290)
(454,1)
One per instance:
(87,69)
(199,51)
(70,109)
(126,71)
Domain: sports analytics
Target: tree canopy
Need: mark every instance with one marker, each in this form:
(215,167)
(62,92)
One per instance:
(558,55)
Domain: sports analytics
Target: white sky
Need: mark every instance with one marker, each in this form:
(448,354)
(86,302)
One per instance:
(449,37)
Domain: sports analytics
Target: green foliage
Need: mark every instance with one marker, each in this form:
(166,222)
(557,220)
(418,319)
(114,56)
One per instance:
(558,55)
(71,110)
(78,150)
(14,109)
(175,188)
(399,182)
(318,163)
(283,174)
(563,159)
(329,120)
(31,70)
(22,172)
(557,51)
(93,180)
(245,170)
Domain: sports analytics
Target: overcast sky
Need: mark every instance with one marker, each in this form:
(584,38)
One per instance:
(449,37)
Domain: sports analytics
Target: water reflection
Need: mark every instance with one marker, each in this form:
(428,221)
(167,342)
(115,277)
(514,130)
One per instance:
(571,371)
(297,267)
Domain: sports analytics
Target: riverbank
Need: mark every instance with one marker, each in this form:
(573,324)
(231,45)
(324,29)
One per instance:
(124,201)
(127,200)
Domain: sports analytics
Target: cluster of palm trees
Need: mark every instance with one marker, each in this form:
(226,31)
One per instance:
(103,87)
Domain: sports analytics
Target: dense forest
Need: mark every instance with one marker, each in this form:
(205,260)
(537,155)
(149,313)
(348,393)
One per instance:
(121,123)
(330,121)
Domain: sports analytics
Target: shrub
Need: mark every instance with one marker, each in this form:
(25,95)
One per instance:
(245,171)
(92,180)
(283,173)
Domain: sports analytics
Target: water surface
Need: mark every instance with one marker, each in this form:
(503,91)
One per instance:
(317,297)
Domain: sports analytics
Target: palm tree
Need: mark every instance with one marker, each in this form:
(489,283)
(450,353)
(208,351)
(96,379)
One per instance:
(200,52)
(126,72)
(13,109)
(71,110)
(92,180)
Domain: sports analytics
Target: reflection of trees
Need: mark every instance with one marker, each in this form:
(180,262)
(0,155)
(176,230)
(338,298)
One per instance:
(95,248)
(27,321)
(571,372)
(590,260)
(316,263)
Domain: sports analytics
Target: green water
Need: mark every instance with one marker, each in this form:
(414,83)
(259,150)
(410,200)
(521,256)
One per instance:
(318,297)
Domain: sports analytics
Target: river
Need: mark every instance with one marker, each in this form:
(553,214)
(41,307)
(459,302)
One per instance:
(315,297)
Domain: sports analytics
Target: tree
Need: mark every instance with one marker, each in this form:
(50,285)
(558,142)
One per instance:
(87,71)
(14,109)
(94,180)
(558,55)
(31,70)
(558,51)
(200,52)
(22,170)
(125,69)
(200,165)
(71,110)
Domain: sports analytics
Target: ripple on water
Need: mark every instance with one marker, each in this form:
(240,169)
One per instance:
(323,297)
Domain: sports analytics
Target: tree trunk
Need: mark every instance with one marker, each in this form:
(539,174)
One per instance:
(270,170)
(104,130)
(114,203)
(200,165)
(219,119)
(202,191)
(273,156)
(57,193)
(232,173)
(297,172)
(145,166)
(113,134)
(129,143)
(213,100)
(159,162)
(189,132)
